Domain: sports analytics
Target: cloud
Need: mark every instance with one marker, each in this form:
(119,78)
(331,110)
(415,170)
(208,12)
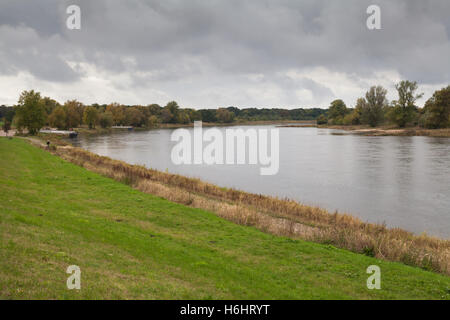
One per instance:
(286,53)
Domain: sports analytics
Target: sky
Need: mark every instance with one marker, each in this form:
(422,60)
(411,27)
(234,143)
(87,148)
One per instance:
(219,53)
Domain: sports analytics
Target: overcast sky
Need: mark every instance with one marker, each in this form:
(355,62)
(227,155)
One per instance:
(218,53)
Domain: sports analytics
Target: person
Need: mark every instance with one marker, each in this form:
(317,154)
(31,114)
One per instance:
(48,144)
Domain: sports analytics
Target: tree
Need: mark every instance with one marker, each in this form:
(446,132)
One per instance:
(6,126)
(183,117)
(166,116)
(224,116)
(74,112)
(153,121)
(58,118)
(437,110)
(373,105)
(134,117)
(404,109)
(337,112)
(208,115)
(30,112)
(194,115)
(173,109)
(7,113)
(356,115)
(90,116)
(49,104)
(118,113)
(154,109)
(106,119)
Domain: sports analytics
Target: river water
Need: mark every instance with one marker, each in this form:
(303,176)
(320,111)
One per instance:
(401,181)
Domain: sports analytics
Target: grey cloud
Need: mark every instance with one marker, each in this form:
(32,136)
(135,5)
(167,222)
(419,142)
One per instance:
(181,46)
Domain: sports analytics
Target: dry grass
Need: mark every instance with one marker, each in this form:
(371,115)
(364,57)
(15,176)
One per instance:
(273,215)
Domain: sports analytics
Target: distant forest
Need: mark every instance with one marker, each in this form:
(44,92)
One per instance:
(73,113)
(34,112)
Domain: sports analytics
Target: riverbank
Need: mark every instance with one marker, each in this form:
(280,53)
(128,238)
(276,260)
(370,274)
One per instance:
(392,131)
(134,245)
(269,214)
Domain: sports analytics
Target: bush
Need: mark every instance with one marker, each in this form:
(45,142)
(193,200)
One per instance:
(322,119)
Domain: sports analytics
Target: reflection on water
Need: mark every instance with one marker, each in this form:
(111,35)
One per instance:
(402,181)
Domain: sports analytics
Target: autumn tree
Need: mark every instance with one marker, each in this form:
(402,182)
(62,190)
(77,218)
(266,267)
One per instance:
(118,113)
(74,112)
(30,112)
(50,104)
(90,116)
(58,118)
(134,117)
(153,121)
(183,117)
(106,119)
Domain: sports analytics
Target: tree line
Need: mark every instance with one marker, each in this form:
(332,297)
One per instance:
(374,109)
(34,112)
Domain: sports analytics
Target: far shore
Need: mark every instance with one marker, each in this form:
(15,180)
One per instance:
(364,130)
(98,130)
(383,130)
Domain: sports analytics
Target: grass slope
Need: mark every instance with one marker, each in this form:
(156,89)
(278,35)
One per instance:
(131,245)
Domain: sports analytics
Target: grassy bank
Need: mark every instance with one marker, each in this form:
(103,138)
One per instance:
(276,216)
(129,244)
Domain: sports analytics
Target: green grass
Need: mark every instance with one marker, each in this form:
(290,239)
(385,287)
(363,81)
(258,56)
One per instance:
(131,245)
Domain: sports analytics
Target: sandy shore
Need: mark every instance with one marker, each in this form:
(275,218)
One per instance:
(389,131)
